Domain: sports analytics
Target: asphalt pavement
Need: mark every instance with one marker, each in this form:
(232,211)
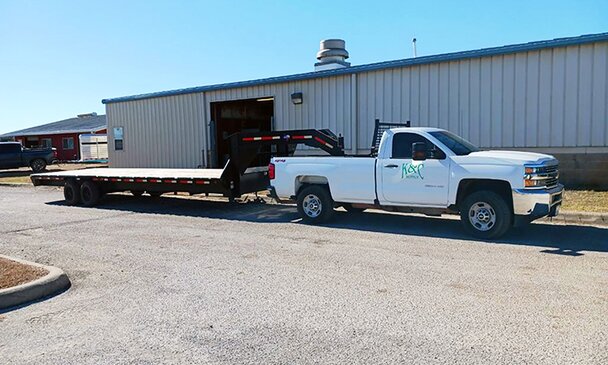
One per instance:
(174,280)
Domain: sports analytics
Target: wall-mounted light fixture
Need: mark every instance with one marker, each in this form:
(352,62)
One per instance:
(297,98)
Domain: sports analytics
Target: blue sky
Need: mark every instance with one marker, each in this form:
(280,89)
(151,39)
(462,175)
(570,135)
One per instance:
(60,58)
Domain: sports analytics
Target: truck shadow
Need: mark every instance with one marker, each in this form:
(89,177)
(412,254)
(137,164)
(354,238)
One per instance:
(569,240)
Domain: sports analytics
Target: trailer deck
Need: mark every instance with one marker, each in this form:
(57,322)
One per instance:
(131,175)
(241,174)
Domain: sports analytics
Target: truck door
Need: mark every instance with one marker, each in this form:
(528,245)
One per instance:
(405,181)
(10,155)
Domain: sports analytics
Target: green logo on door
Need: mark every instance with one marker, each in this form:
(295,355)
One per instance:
(411,170)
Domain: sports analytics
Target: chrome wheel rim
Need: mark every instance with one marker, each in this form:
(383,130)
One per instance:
(312,205)
(482,216)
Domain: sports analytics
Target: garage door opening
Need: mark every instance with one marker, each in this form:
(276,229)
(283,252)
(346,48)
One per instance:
(229,117)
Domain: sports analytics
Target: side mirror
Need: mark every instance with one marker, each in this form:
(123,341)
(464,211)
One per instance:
(419,151)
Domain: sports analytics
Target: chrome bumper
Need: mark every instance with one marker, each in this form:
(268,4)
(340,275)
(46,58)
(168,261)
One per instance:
(536,203)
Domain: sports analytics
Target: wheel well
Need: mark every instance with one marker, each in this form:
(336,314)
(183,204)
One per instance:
(302,181)
(500,187)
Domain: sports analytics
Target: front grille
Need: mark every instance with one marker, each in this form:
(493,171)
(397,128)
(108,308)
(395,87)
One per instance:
(546,175)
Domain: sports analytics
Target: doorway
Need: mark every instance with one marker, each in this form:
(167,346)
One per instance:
(229,117)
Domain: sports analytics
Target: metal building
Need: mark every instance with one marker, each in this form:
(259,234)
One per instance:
(547,96)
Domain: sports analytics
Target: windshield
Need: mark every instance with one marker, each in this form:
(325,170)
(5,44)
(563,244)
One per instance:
(458,145)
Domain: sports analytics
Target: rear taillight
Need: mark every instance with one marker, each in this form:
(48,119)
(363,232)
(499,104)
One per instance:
(271,171)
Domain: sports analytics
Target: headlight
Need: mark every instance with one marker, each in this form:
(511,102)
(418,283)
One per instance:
(529,183)
(531,170)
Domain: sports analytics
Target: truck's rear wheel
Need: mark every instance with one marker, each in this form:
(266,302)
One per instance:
(315,204)
(486,215)
(38,165)
(89,193)
(71,192)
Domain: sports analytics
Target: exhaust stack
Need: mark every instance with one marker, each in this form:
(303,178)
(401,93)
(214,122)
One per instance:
(332,55)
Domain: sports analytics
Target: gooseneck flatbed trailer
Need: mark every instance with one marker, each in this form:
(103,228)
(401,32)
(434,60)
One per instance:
(245,172)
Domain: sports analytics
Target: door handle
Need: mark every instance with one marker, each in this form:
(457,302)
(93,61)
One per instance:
(391,166)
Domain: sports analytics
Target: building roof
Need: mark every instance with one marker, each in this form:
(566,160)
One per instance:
(485,52)
(83,124)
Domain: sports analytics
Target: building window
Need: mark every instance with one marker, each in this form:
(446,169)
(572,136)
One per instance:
(68,143)
(118,139)
(46,143)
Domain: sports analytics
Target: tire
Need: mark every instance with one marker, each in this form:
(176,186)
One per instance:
(154,194)
(71,192)
(137,193)
(486,215)
(315,204)
(349,208)
(89,193)
(38,165)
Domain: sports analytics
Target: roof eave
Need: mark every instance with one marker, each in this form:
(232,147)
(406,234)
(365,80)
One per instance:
(446,57)
(49,133)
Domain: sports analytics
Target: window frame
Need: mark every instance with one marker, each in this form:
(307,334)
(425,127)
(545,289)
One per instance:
(42,144)
(119,143)
(426,140)
(63,139)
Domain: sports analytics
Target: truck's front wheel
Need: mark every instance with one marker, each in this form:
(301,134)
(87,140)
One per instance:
(485,214)
(315,204)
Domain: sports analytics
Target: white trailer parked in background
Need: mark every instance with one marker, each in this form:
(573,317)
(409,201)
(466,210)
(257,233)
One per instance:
(93,147)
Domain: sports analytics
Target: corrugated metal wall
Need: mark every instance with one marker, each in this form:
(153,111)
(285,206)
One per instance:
(552,98)
(548,98)
(160,132)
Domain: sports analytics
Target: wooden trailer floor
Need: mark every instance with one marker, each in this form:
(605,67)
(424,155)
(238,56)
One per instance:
(138,173)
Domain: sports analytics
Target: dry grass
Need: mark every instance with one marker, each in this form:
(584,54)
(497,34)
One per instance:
(13,273)
(586,201)
(15,180)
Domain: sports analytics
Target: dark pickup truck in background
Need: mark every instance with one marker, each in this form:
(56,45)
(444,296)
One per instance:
(13,155)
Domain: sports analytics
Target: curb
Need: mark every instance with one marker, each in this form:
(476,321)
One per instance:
(584,218)
(55,281)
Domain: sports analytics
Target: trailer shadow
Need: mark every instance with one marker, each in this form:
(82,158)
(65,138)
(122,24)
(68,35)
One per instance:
(568,240)
(15,173)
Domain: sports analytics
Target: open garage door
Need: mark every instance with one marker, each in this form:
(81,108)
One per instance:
(229,117)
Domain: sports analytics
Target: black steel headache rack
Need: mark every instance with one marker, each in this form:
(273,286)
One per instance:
(379,129)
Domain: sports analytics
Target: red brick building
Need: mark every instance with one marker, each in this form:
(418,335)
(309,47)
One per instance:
(62,135)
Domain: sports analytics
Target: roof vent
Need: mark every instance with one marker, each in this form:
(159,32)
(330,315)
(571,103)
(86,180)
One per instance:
(331,55)
(87,115)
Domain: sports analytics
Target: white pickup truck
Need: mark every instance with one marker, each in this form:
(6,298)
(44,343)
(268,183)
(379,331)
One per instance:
(429,171)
